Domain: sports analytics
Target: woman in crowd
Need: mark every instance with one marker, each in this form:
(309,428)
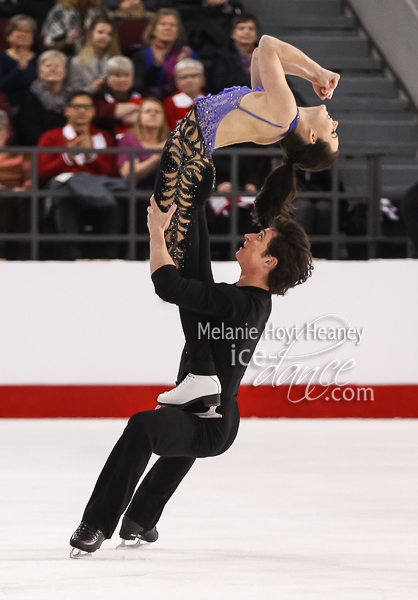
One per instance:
(14,175)
(87,69)
(18,62)
(149,132)
(44,103)
(65,26)
(163,48)
(116,102)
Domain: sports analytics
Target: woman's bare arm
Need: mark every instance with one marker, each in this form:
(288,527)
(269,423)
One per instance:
(277,58)
(255,71)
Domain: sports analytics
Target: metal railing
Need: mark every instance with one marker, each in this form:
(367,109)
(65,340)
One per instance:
(370,195)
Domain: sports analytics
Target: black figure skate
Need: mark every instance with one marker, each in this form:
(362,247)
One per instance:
(131,531)
(85,540)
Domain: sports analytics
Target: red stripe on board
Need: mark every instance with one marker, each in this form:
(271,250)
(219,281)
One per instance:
(75,401)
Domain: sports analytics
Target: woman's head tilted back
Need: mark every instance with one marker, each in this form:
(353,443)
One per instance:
(304,149)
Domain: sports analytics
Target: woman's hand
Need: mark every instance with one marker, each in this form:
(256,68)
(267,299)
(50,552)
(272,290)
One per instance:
(158,221)
(325,84)
(185,52)
(73,36)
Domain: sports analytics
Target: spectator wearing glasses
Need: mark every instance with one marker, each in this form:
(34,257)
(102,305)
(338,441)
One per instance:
(164,41)
(71,214)
(18,62)
(44,103)
(190,81)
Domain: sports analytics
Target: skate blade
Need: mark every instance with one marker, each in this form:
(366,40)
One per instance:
(76,553)
(123,545)
(210,414)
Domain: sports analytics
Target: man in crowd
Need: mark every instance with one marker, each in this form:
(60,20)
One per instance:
(88,201)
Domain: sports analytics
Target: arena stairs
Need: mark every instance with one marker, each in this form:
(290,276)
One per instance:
(372,108)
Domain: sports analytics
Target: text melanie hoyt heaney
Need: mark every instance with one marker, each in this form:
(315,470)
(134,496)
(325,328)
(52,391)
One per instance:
(284,365)
(309,331)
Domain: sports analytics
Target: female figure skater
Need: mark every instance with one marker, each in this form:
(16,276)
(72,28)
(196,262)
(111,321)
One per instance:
(308,137)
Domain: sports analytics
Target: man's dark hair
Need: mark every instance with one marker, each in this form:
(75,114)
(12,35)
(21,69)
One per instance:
(244,18)
(76,94)
(292,248)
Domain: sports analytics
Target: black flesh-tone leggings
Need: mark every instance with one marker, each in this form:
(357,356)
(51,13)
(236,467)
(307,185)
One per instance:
(186,177)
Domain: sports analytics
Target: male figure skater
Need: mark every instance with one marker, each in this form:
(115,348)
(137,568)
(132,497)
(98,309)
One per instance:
(272,261)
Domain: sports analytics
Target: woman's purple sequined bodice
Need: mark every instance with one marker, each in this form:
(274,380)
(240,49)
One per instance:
(212,109)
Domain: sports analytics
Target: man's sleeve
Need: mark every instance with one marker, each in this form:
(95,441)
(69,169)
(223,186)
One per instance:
(204,297)
(51,165)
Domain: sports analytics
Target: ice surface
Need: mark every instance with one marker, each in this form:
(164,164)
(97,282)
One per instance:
(296,509)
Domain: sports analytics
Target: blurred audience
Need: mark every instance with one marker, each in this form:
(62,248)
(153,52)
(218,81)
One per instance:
(18,62)
(409,211)
(87,202)
(164,47)
(14,210)
(149,132)
(67,22)
(44,103)
(88,69)
(314,215)
(252,171)
(5,105)
(190,81)
(38,9)
(129,9)
(209,27)
(232,65)
(117,104)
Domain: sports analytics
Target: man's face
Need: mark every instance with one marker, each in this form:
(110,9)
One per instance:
(252,255)
(245,33)
(190,81)
(80,112)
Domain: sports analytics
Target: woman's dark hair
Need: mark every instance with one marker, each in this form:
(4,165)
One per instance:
(292,248)
(244,18)
(279,189)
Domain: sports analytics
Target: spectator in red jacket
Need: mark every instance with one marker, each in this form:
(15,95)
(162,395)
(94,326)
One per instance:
(117,104)
(69,215)
(190,81)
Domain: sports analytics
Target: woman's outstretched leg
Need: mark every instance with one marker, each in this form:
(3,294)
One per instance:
(186,178)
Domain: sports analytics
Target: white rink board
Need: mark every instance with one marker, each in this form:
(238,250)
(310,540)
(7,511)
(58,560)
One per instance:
(99,322)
